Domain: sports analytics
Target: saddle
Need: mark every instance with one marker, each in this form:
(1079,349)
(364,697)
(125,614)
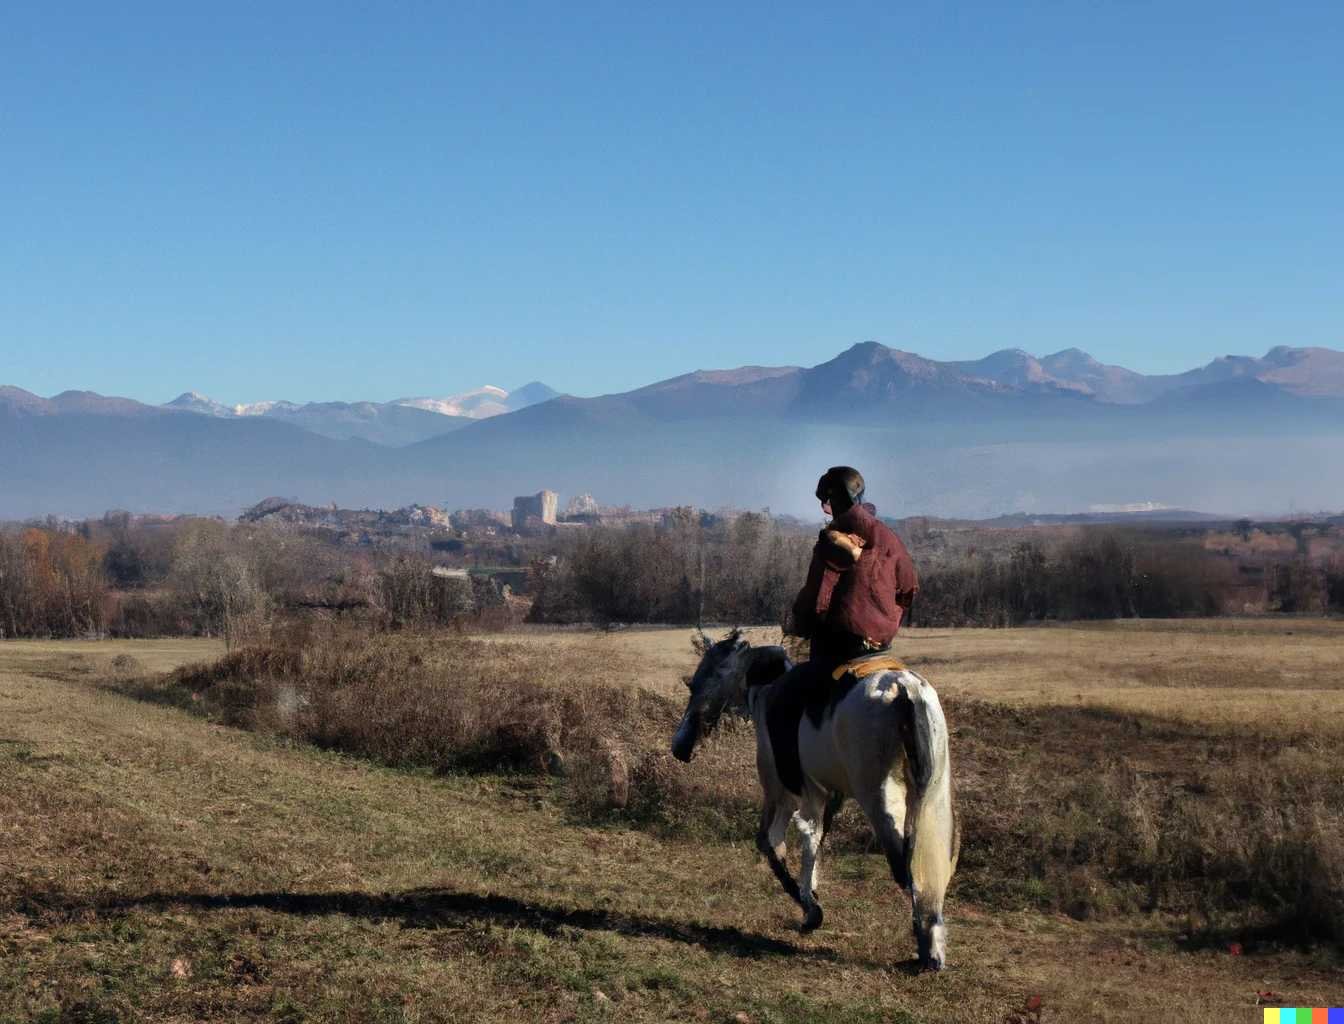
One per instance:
(812,694)
(867,664)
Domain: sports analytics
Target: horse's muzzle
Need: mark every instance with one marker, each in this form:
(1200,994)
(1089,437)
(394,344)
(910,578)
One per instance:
(683,743)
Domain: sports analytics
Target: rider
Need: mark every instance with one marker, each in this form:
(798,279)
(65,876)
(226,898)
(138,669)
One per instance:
(861,581)
(859,586)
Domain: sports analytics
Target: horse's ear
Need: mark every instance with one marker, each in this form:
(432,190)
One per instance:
(734,635)
(767,665)
(701,642)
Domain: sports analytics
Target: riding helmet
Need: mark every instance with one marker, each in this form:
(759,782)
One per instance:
(842,486)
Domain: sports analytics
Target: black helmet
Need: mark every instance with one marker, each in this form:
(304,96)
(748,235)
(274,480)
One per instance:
(842,486)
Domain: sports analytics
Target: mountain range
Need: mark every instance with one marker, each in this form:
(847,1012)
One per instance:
(1008,433)
(396,423)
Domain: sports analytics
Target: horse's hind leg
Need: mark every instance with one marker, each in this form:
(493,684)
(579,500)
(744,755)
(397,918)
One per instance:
(933,849)
(833,804)
(770,841)
(885,809)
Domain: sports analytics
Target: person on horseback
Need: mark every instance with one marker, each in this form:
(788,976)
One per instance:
(861,581)
(833,728)
(860,584)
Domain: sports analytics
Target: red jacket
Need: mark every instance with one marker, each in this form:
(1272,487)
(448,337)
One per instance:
(861,580)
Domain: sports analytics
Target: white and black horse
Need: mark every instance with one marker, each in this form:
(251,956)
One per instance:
(881,739)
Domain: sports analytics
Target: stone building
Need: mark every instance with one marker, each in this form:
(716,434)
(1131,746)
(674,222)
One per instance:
(532,511)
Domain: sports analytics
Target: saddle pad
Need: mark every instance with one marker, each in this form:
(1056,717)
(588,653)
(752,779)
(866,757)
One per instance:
(869,664)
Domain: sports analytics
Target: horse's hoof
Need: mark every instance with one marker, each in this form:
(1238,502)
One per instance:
(813,920)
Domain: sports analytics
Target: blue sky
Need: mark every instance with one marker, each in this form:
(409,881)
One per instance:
(339,201)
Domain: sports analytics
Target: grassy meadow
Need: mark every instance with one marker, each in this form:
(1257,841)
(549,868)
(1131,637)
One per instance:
(446,828)
(1277,669)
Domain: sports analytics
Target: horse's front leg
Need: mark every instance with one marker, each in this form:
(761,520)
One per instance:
(770,841)
(812,827)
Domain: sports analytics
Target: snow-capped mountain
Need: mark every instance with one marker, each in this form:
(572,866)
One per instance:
(483,402)
(401,422)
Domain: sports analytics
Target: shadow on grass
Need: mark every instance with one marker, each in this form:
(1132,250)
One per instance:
(152,691)
(1263,938)
(440,908)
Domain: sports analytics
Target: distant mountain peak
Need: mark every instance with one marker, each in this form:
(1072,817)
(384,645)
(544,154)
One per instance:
(194,401)
(483,402)
(531,393)
(1070,357)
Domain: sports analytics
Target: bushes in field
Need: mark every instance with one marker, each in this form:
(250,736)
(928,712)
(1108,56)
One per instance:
(1094,813)
(438,701)
(449,703)
(411,594)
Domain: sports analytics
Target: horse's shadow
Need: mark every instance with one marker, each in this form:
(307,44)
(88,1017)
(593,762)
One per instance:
(444,908)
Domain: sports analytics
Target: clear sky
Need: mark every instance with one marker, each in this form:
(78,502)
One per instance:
(341,201)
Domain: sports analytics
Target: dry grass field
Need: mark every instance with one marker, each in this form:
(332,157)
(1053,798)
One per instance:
(1279,672)
(158,865)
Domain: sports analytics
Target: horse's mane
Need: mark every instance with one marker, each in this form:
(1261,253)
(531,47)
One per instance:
(702,641)
(770,663)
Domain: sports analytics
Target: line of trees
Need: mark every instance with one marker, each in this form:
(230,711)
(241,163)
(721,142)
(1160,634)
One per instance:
(204,577)
(1103,575)
(748,571)
(689,569)
(51,584)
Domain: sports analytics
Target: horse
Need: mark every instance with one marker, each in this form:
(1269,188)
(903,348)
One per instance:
(880,740)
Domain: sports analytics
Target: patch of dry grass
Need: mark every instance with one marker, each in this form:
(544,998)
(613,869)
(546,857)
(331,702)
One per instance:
(1281,673)
(1094,812)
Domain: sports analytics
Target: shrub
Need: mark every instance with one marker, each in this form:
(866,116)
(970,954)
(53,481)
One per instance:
(440,701)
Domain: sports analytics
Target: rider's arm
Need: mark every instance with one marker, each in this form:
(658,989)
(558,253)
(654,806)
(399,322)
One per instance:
(829,561)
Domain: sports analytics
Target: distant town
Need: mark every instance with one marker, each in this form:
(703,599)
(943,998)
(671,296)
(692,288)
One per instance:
(531,515)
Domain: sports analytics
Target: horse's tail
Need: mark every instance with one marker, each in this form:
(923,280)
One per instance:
(934,845)
(923,731)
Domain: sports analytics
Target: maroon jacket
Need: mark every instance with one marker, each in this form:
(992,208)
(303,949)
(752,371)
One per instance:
(861,580)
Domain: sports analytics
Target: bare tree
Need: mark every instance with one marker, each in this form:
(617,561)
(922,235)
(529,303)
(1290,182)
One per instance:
(217,583)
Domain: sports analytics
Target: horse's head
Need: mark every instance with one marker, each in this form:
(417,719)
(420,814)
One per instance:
(727,668)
